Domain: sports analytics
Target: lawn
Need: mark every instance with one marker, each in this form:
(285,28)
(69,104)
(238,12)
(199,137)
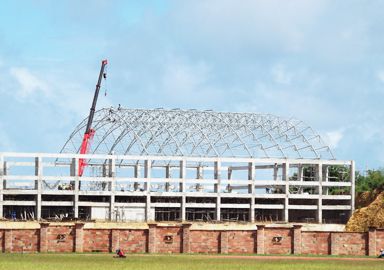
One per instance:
(169,262)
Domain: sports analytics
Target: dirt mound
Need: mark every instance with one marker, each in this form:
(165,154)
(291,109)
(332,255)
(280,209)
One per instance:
(365,198)
(369,216)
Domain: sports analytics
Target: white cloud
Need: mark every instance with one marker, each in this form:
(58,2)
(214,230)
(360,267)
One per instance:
(332,138)
(181,78)
(281,75)
(380,75)
(29,84)
(249,23)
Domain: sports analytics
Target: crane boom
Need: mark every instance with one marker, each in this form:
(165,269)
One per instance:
(89,132)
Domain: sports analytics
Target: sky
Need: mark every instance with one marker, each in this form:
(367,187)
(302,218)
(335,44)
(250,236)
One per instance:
(318,61)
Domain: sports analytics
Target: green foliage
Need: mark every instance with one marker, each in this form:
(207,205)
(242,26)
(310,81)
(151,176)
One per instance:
(339,173)
(373,180)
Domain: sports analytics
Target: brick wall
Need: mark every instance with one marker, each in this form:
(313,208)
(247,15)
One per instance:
(60,238)
(241,242)
(205,241)
(346,243)
(317,243)
(273,244)
(164,238)
(133,241)
(168,240)
(22,240)
(379,240)
(98,240)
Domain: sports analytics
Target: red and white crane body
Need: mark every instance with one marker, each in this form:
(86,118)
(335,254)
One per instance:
(89,132)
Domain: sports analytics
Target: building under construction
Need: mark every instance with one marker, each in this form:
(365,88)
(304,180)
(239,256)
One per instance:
(178,165)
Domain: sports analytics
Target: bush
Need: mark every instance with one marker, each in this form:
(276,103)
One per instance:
(374,180)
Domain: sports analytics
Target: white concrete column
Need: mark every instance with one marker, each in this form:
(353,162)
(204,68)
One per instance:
(112,185)
(199,172)
(251,190)
(326,178)
(148,208)
(75,173)
(286,199)
(352,168)
(183,175)
(217,187)
(183,172)
(38,185)
(147,175)
(300,172)
(167,175)
(1,185)
(147,187)
(275,171)
(137,174)
(320,201)
(300,177)
(217,176)
(183,208)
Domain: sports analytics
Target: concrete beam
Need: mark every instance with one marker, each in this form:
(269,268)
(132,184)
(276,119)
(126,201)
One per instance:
(336,207)
(157,204)
(269,206)
(200,205)
(302,207)
(20,203)
(56,203)
(101,158)
(94,204)
(234,205)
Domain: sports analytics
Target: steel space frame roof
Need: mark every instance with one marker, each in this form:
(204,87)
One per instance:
(193,133)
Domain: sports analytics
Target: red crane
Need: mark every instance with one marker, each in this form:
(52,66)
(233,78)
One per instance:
(89,132)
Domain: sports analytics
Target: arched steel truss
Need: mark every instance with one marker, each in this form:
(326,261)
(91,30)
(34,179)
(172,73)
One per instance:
(192,133)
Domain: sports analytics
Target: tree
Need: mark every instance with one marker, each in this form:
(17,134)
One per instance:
(373,180)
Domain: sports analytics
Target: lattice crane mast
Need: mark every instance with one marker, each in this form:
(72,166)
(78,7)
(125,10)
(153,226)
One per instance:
(89,132)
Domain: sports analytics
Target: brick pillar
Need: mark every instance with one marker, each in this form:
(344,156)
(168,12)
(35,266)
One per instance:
(79,237)
(224,242)
(186,248)
(152,237)
(43,237)
(8,241)
(372,251)
(115,239)
(1,241)
(296,239)
(333,244)
(260,239)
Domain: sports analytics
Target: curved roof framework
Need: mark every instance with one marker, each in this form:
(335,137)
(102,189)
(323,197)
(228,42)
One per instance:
(178,132)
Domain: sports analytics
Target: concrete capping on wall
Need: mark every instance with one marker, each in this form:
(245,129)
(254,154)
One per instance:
(185,238)
(223,227)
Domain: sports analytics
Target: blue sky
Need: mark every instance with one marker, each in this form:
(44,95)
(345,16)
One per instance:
(319,61)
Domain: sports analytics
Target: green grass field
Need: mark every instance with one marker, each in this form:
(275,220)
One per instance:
(169,262)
